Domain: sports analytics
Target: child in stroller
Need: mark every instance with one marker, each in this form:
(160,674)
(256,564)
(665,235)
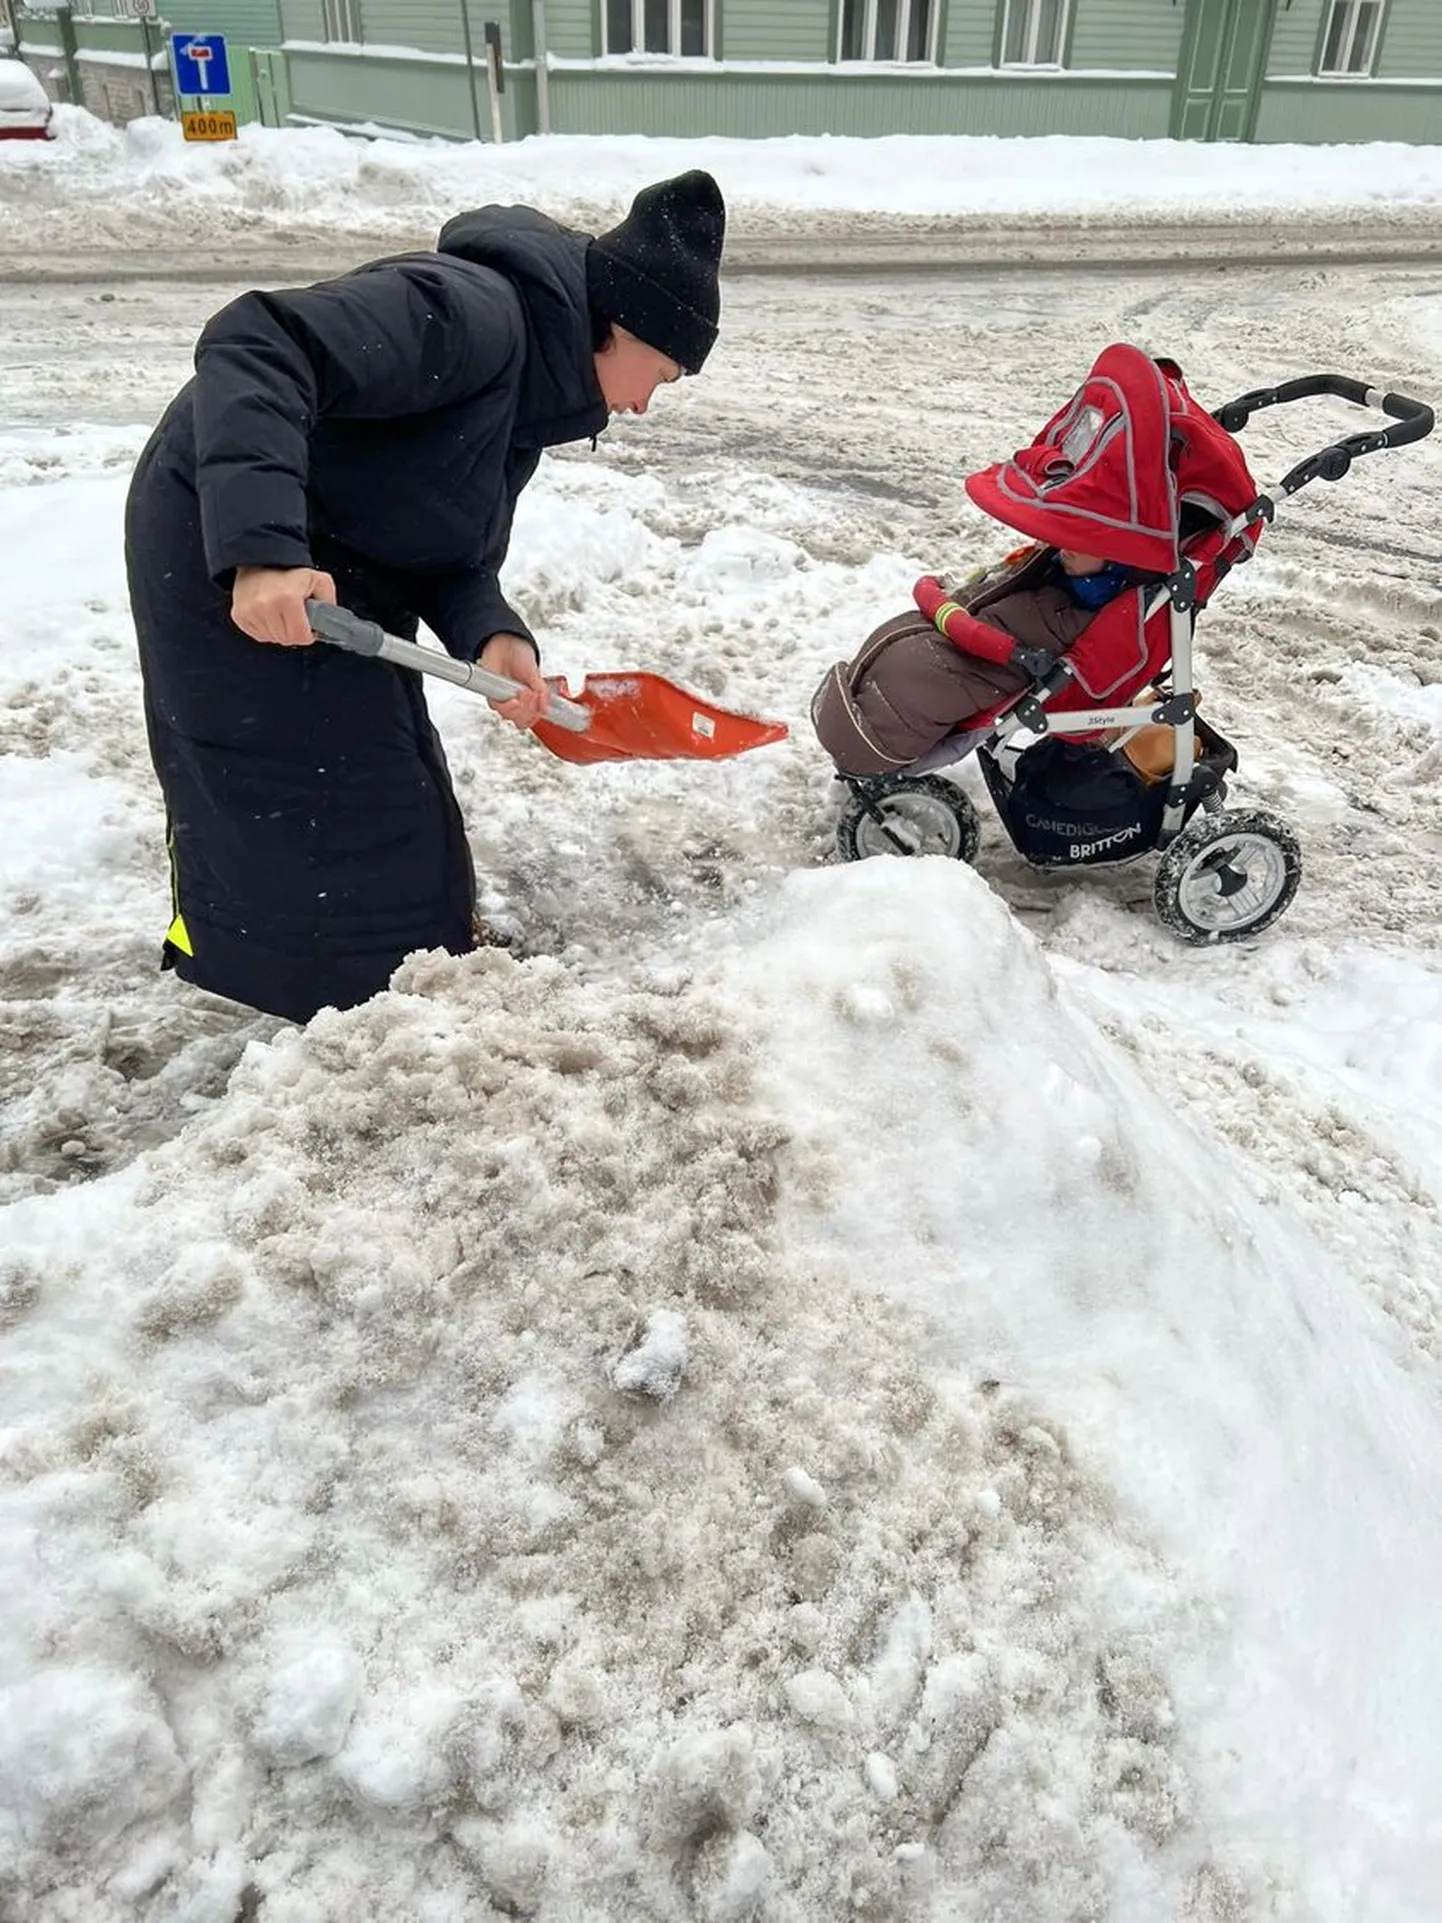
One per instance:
(913,683)
(1067,662)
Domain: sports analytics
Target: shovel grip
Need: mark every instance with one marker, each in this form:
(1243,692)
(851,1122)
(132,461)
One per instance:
(343,629)
(346,630)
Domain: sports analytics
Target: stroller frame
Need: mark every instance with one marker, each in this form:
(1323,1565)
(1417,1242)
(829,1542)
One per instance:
(890,813)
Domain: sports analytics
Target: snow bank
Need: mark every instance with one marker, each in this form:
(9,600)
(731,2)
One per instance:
(331,1433)
(528,1456)
(318,179)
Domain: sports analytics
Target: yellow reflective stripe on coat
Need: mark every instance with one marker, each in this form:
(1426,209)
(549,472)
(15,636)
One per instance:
(178,935)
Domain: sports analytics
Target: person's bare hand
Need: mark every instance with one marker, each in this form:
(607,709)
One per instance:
(268,604)
(510,655)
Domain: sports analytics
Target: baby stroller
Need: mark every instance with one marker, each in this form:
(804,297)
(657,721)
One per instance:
(1132,469)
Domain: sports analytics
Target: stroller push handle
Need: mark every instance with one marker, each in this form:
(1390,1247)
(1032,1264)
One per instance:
(1415,417)
(1412,421)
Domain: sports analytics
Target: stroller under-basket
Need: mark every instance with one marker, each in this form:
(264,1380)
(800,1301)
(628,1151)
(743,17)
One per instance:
(1133,469)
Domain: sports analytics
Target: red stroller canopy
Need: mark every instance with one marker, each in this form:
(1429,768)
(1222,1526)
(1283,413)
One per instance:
(1108,473)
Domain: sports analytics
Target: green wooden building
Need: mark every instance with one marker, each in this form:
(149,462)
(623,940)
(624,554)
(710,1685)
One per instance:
(1261,70)
(1269,70)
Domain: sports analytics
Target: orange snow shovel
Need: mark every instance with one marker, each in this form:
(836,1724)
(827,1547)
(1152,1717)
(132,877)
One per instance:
(615,717)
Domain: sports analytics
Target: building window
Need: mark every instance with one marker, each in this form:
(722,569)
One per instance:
(659,26)
(1350,42)
(340,20)
(1033,32)
(886,30)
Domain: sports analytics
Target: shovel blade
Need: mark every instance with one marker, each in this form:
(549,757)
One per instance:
(644,717)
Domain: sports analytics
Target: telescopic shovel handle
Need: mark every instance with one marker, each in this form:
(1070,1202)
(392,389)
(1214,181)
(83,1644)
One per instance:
(346,630)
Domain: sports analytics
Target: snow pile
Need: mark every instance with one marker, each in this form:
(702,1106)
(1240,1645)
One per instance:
(318,179)
(353,1553)
(328,1434)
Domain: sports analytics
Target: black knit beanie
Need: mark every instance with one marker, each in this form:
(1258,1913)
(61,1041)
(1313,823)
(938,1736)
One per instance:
(657,274)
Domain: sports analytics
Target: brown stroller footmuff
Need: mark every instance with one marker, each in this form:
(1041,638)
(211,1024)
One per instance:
(906,689)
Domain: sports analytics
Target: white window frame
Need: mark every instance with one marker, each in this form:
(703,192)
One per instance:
(1345,71)
(1033,14)
(903,31)
(673,30)
(340,20)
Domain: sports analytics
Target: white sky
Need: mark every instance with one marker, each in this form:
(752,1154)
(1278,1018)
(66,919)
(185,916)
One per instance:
(1035,1510)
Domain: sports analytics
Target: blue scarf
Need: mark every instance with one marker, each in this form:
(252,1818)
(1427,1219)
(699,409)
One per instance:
(1095,590)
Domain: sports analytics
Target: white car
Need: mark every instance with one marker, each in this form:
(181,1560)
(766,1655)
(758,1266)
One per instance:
(25,109)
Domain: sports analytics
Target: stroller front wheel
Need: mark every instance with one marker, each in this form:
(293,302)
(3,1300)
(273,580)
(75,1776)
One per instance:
(908,815)
(1228,876)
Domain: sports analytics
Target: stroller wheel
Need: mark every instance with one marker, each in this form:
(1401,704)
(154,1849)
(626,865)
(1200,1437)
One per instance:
(1228,876)
(908,815)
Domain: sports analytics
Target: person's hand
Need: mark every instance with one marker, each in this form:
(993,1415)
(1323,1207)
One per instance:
(268,604)
(515,658)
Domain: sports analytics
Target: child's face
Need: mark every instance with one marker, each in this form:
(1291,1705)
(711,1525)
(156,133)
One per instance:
(1074,563)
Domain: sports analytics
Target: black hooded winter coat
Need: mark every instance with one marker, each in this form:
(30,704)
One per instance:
(380,427)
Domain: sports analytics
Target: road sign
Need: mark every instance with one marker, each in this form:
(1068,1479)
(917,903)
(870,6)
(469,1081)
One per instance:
(201,66)
(135,9)
(208,126)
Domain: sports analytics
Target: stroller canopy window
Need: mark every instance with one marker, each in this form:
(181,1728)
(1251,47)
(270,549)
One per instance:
(1107,474)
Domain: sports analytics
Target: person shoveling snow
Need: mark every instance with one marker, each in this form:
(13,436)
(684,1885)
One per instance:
(364,442)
